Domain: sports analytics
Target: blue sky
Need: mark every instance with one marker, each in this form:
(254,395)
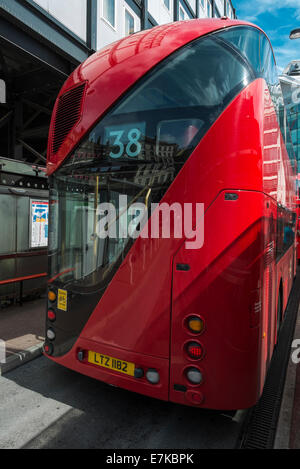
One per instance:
(277,18)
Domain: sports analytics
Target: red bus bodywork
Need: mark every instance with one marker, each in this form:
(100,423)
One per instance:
(234,282)
(298,216)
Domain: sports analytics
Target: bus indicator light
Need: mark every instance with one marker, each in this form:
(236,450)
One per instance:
(48,349)
(51,334)
(51,296)
(51,315)
(194,397)
(195,350)
(195,324)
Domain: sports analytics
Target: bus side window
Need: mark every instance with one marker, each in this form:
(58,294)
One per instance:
(269,72)
(246,40)
(286,222)
(279,234)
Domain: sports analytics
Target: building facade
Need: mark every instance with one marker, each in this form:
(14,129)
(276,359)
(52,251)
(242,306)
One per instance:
(114,19)
(42,42)
(290,84)
(119,18)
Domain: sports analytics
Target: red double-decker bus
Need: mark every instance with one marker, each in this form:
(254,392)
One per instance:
(185,113)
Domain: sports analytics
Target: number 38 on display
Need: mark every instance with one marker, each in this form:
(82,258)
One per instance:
(125,142)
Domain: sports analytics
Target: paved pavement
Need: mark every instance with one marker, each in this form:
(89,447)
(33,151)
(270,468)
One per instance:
(23,327)
(294,442)
(295,427)
(46,406)
(288,428)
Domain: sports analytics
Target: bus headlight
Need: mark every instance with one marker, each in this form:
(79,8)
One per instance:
(194,375)
(51,334)
(153,376)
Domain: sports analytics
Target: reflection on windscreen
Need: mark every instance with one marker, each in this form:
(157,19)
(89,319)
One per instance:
(137,150)
(89,250)
(77,251)
(201,74)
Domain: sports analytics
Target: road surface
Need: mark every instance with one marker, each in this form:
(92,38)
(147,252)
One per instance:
(46,406)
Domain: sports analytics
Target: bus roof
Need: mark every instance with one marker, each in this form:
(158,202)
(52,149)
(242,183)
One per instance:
(113,70)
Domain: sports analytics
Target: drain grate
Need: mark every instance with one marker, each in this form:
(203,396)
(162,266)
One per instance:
(260,426)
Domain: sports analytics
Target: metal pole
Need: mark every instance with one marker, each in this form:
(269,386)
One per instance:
(197,9)
(91,21)
(176,10)
(32,150)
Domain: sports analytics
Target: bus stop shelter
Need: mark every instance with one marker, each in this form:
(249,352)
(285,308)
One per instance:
(37,53)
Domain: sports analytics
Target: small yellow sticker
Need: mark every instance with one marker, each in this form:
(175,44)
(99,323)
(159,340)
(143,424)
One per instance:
(62,300)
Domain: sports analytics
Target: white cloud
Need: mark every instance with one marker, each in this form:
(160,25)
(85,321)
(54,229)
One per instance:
(286,51)
(251,10)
